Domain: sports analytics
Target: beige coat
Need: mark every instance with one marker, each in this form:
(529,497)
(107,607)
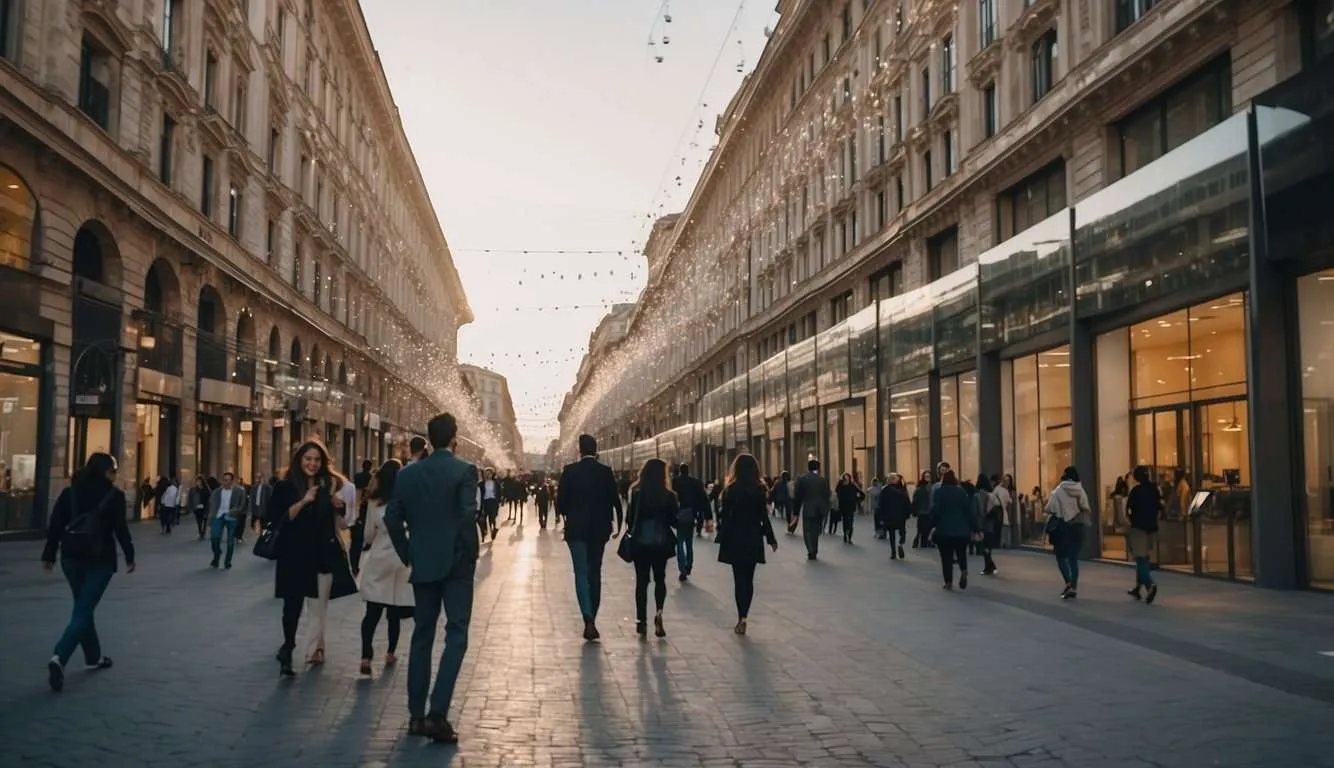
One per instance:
(384,578)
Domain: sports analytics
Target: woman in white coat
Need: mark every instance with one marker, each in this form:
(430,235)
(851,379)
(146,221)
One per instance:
(384,578)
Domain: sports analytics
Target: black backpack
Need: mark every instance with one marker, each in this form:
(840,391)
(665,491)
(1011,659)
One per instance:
(84,536)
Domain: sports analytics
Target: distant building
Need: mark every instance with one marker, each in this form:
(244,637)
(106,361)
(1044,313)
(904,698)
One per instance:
(492,392)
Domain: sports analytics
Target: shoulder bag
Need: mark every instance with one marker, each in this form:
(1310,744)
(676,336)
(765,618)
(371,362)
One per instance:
(266,543)
(83,538)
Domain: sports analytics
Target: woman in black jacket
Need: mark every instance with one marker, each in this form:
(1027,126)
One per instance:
(87,523)
(312,565)
(741,545)
(895,509)
(850,497)
(652,517)
(1145,504)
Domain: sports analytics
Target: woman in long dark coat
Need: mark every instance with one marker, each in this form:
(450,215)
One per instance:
(312,564)
(652,523)
(746,529)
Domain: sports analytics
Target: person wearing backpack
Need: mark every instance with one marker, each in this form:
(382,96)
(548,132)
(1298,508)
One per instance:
(87,523)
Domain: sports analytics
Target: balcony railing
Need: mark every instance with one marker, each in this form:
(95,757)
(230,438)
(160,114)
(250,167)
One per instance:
(160,346)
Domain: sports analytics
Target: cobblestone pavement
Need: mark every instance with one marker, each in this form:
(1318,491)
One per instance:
(850,661)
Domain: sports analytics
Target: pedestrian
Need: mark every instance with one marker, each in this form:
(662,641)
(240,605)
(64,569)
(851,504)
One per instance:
(812,497)
(312,567)
(1145,504)
(197,502)
(693,500)
(491,490)
(87,523)
(850,497)
(781,494)
(894,509)
(542,497)
(167,501)
(650,523)
(1068,513)
(146,496)
(873,501)
(587,496)
(953,524)
(226,510)
(992,515)
(921,506)
(385,581)
(430,520)
(1006,500)
(747,530)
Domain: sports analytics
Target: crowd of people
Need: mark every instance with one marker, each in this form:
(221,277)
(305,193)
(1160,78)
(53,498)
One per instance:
(406,536)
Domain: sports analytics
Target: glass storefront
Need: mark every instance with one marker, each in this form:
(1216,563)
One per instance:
(1036,430)
(958,424)
(158,437)
(1186,420)
(910,429)
(20,378)
(1315,303)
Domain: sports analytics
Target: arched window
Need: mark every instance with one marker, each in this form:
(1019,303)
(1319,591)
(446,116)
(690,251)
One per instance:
(18,215)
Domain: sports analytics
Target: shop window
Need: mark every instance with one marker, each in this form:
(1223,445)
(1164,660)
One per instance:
(95,80)
(942,254)
(20,388)
(1130,11)
(1030,201)
(1315,303)
(18,214)
(1036,432)
(910,429)
(1043,64)
(1183,112)
(1317,30)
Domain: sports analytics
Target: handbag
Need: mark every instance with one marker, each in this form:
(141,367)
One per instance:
(266,543)
(1055,529)
(625,549)
(82,538)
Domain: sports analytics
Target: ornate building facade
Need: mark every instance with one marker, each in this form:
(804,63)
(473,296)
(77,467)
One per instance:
(491,392)
(1015,235)
(214,242)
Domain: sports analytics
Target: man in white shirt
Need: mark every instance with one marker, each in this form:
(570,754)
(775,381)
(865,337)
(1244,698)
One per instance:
(226,507)
(490,508)
(167,506)
(348,493)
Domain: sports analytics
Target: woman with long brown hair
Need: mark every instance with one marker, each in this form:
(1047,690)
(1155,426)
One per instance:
(312,565)
(650,524)
(746,529)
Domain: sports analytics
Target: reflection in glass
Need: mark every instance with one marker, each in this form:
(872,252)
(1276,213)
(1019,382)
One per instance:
(18,446)
(1040,388)
(1315,306)
(910,428)
(955,332)
(18,210)
(1025,283)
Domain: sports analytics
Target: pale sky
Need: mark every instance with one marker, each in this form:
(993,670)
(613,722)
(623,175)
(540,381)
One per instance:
(542,125)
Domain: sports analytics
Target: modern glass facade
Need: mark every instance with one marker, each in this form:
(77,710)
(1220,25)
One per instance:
(1118,332)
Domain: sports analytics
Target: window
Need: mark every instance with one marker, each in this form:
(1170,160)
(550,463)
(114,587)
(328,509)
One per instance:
(274,138)
(947,65)
(852,158)
(270,241)
(1183,112)
(1317,30)
(881,209)
(95,84)
(238,105)
(847,22)
(317,286)
(880,142)
(877,47)
(990,120)
(847,90)
(233,211)
(947,141)
(926,169)
(171,25)
(206,188)
(304,181)
(926,92)
(8,28)
(898,119)
(210,80)
(165,144)
(828,51)
(1130,11)
(1030,201)
(298,267)
(899,202)
(840,307)
(986,16)
(887,282)
(942,254)
(282,28)
(1044,64)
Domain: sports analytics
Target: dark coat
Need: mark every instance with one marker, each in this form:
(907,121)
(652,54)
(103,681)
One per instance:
(745,528)
(587,497)
(849,496)
(308,545)
(663,509)
(111,519)
(690,494)
(894,508)
(435,501)
(954,513)
(1144,504)
(921,500)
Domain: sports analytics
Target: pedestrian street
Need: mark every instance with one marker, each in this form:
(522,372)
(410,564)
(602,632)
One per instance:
(852,660)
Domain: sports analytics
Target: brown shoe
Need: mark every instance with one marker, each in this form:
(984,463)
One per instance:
(415,726)
(591,630)
(436,729)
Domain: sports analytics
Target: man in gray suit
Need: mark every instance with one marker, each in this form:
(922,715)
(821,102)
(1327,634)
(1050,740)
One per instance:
(812,502)
(435,500)
(226,512)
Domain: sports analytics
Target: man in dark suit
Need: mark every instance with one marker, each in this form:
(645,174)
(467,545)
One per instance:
(587,497)
(811,500)
(694,502)
(435,500)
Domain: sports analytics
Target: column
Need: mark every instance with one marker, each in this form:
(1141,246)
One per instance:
(933,421)
(1084,426)
(1273,400)
(991,450)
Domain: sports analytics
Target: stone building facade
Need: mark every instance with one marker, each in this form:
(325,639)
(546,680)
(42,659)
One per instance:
(214,242)
(491,392)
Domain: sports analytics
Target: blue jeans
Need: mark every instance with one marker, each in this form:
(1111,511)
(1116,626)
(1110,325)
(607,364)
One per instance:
(587,559)
(221,525)
(88,583)
(1067,550)
(685,553)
